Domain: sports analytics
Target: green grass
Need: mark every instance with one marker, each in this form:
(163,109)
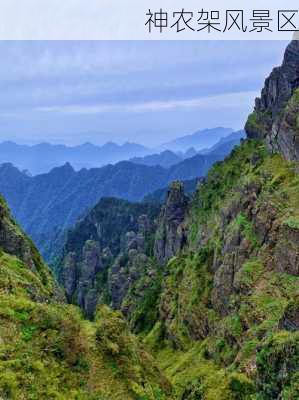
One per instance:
(292,222)
(48,351)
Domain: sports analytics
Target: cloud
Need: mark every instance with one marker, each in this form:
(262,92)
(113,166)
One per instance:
(224,101)
(140,91)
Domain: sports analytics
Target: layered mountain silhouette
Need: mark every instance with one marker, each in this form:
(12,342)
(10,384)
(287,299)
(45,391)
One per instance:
(47,204)
(199,140)
(225,144)
(43,157)
(165,159)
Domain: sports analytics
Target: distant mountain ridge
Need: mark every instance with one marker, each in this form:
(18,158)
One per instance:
(43,157)
(165,159)
(199,140)
(225,143)
(168,158)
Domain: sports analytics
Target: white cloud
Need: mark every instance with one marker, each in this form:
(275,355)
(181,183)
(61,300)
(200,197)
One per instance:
(224,101)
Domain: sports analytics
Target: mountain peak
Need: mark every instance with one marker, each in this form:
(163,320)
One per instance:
(292,53)
(8,167)
(276,111)
(198,140)
(65,169)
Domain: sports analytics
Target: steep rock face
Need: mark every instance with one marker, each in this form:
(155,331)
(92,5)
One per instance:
(235,283)
(106,253)
(171,236)
(275,117)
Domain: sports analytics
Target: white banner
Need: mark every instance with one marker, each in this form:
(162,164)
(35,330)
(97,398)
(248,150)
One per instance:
(148,20)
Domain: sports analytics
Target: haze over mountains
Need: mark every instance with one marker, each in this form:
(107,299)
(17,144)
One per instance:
(43,157)
(47,204)
(199,140)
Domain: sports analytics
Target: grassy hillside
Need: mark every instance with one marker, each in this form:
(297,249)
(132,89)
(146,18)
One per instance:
(48,351)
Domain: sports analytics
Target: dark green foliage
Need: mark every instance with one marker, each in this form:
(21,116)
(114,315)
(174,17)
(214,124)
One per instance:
(115,218)
(146,311)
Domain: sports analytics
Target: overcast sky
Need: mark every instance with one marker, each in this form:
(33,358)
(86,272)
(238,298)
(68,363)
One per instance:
(146,92)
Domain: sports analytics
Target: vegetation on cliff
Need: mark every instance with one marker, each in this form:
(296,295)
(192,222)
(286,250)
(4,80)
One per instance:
(224,301)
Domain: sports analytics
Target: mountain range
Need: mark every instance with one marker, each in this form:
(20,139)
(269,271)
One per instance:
(47,204)
(43,157)
(199,140)
(167,158)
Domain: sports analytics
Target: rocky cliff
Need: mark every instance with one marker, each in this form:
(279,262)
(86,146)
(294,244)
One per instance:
(170,234)
(229,301)
(275,117)
(106,252)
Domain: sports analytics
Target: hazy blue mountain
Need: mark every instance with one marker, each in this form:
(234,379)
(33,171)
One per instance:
(43,157)
(169,158)
(225,144)
(165,159)
(199,140)
(189,153)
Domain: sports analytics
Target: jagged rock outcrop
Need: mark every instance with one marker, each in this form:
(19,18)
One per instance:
(126,270)
(275,117)
(106,252)
(171,232)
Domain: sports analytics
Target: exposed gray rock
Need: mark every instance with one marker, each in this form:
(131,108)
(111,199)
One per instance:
(126,270)
(79,276)
(69,274)
(171,233)
(276,111)
(290,319)
(286,251)
(105,253)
